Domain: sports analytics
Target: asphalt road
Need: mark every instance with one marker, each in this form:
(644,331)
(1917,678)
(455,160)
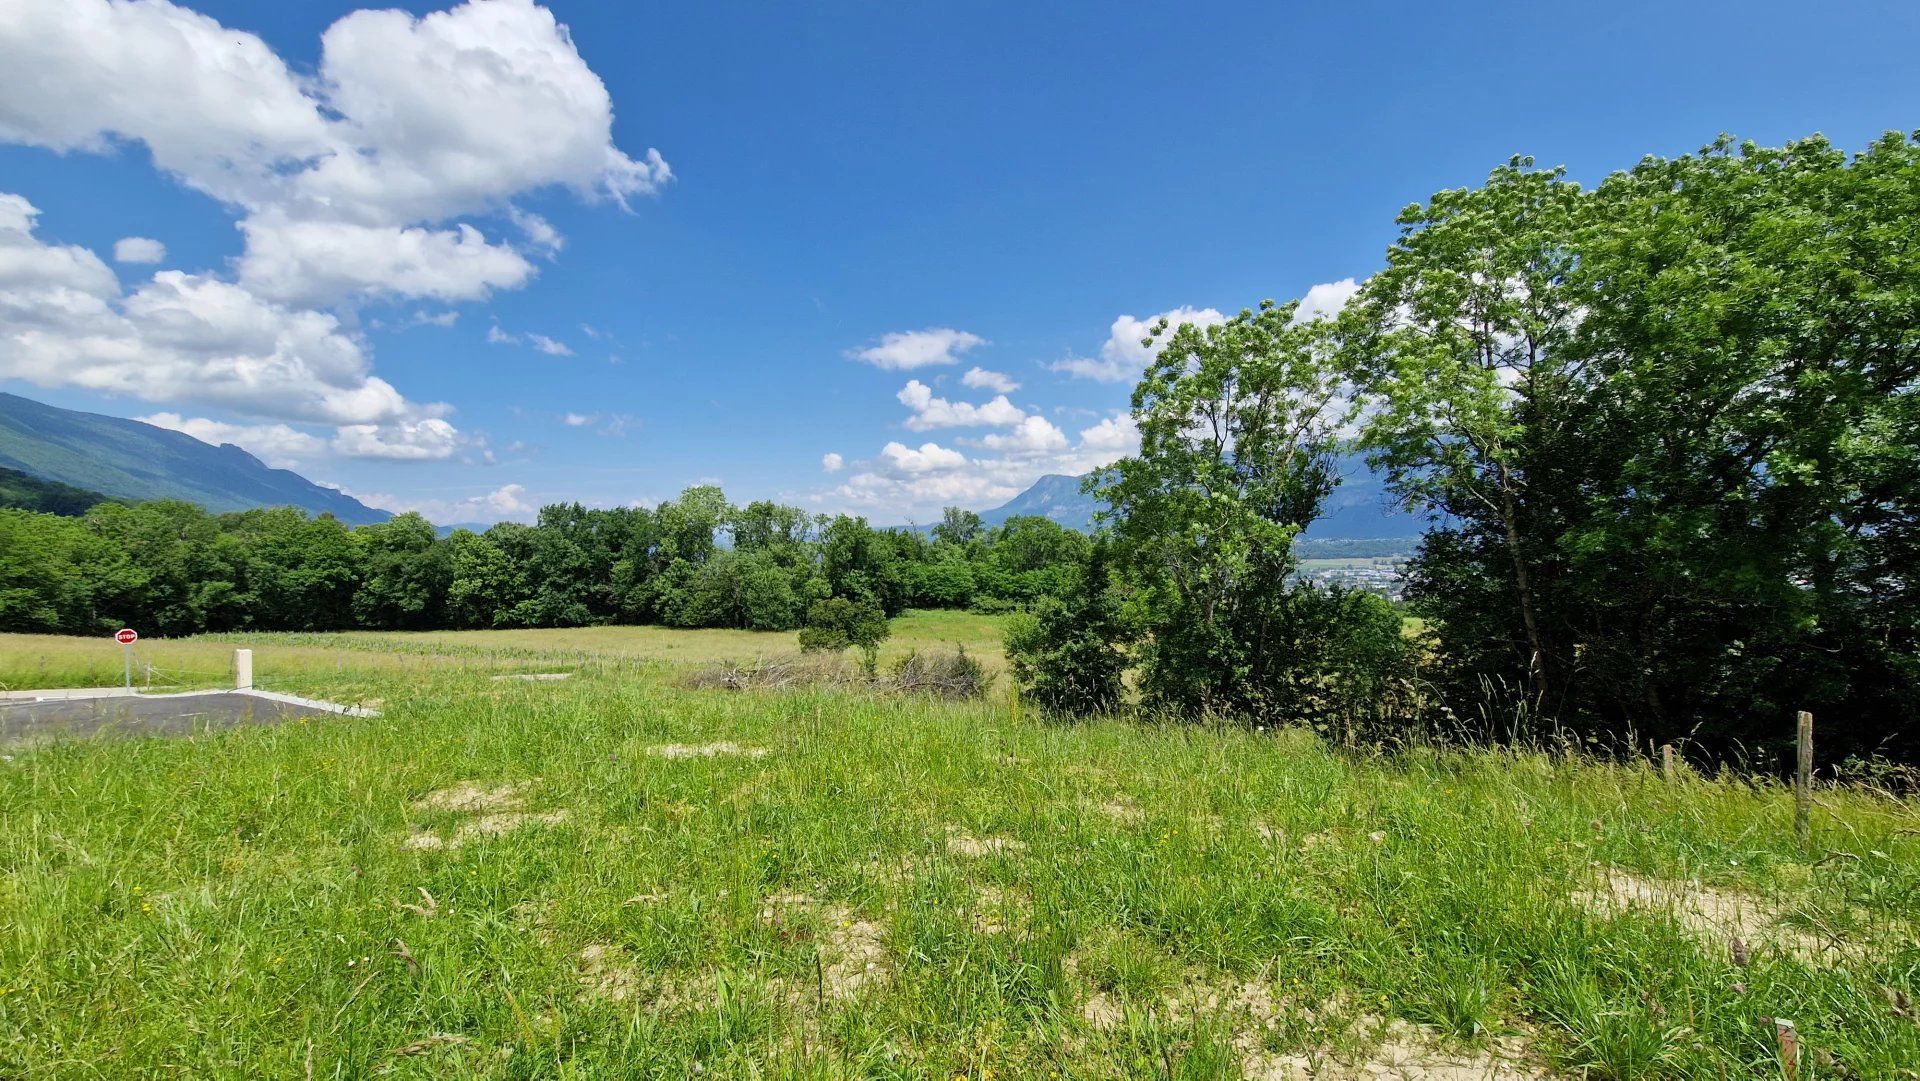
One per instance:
(176,715)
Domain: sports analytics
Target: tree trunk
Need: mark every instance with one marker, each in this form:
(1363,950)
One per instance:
(1523,586)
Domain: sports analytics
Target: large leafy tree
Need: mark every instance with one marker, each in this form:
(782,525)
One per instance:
(1752,316)
(1239,428)
(1461,344)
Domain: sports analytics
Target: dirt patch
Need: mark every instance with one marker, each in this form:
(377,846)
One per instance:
(1399,1052)
(607,974)
(1384,1050)
(501,816)
(705,750)
(493,825)
(994,907)
(962,843)
(1123,810)
(893,871)
(468,797)
(1715,914)
(853,953)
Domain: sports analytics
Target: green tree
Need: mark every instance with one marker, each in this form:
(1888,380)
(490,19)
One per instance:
(484,586)
(957,526)
(405,577)
(1460,344)
(1752,317)
(1068,654)
(839,623)
(1239,425)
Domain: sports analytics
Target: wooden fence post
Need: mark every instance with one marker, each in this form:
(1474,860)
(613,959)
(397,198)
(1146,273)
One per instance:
(1803,777)
(1666,762)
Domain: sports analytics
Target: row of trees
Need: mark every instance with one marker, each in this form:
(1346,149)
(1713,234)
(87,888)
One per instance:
(697,561)
(1666,431)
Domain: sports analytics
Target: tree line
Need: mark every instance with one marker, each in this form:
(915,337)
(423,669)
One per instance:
(1666,434)
(171,568)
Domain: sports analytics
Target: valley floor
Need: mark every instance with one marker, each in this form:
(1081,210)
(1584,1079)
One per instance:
(616,875)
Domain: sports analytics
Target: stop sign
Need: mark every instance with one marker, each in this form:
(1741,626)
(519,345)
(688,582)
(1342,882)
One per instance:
(126,636)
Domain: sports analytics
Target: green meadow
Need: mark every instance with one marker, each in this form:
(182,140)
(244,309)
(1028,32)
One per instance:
(617,875)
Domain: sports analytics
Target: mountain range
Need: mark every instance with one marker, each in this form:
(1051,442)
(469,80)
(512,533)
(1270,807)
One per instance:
(62,449)
(1359,507)
(133,460)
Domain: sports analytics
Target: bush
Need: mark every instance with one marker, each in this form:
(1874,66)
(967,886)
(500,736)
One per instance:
(837,623)
(1067,655)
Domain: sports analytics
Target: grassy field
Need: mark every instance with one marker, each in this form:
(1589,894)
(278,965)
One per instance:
(355,663)
(617,876)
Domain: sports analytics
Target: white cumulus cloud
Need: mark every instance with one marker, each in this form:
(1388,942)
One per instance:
(64,321)
(904,350)
(929,458)
(982,379)
(1032,436)
(832,463)
(1325,300)
(930,412)
(138,249)
(507,502)
(1123,359)
(348,183)
(278,445)
(425,439)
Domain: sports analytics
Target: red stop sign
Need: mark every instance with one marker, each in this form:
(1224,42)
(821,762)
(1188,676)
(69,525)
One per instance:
(126,636)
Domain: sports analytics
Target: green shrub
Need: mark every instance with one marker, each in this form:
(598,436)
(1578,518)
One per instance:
(1067,654)
(837,623)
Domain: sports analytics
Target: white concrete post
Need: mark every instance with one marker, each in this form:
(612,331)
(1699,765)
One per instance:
(243,669)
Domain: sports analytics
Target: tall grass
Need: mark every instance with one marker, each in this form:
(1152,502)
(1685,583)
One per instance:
(253,903)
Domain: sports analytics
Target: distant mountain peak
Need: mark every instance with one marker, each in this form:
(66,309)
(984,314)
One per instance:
(1359,507)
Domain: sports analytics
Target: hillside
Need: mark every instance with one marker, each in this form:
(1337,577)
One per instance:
(127,459)
(1359,507)
(24,491)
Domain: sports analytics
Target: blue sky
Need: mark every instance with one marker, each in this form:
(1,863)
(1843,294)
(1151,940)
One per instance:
(434,263)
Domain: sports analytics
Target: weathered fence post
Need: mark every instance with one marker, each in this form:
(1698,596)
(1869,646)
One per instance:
(243,669)
(1784,1033)
(1803,778)
(1666,762)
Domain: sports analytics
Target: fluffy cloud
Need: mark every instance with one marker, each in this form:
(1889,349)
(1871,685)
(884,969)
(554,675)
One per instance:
(1123,358)
(503,503)
(177,338)
(347,185)
(1117,436)
(331,262)
(1032,436)
(1326,299)
(215,107)
(930,412)
(832,463)
(930,458)
(904,483)
(138,249)
(425,439)
(278,445)
(904,350)
(982,379)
